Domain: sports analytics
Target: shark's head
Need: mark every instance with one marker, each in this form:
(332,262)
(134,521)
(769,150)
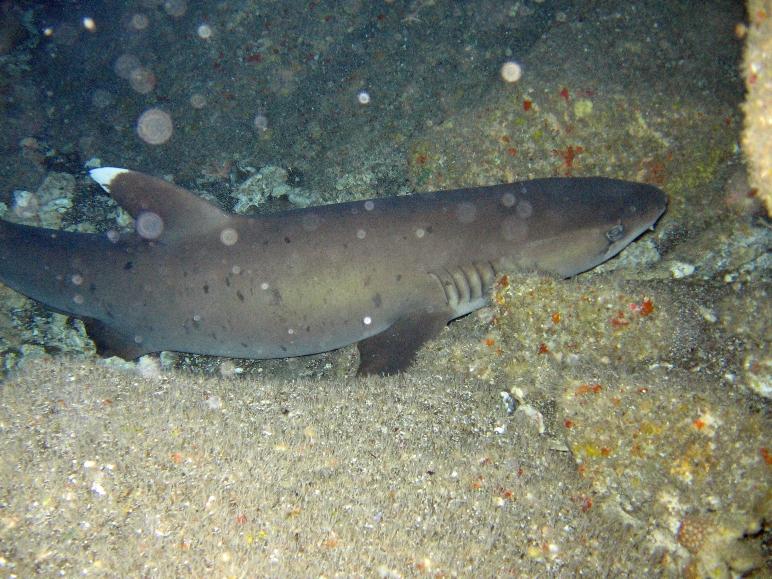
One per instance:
(580,223)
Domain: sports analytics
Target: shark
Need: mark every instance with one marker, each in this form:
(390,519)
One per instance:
(387,273)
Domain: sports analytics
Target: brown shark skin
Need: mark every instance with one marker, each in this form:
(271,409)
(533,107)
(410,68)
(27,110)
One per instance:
(388,273)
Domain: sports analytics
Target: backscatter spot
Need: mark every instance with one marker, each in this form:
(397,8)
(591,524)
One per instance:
(154,126)
(466,212)
(511,71)
(524,209)
(149,225)
(514,229)
(229,236)
(311,221)
(508,200)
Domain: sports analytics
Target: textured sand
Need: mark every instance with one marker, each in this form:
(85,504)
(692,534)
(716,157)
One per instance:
(105,472)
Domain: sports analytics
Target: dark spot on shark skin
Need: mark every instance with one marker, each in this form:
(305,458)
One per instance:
(91,288)
(287,240)
(244,345)
(240,296)
(283,348)
(206,288)
(399,277)
(308,328)
(377,301)
(228,281)
(276,298)
(128,265)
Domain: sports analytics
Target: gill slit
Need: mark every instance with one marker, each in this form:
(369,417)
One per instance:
(467,283)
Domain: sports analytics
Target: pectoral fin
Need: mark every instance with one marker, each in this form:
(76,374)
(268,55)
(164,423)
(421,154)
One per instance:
(112,343)
(394,349)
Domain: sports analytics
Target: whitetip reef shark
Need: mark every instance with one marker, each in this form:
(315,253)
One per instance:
(387,273)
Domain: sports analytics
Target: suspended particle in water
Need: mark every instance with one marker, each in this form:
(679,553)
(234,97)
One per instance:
(197,101)
(363,97)
(511,71)
(149,225)
(261,122)
(142,80)
(466,212)
(175,8)
(139,22)
(89,24)
(125,64)
(154,126)
(204,31)
(311,222)
(524,209)
(229,236)
(508,200)
(25,204)
(101,99)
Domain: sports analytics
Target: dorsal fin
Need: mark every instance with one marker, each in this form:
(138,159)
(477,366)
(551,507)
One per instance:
(181,212)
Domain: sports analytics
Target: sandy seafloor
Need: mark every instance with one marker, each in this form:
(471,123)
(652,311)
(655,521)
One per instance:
(616,424)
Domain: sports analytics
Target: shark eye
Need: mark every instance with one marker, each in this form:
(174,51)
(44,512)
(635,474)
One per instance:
(615,233)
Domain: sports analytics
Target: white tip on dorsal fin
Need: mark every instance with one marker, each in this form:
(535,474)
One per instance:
(105,175)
